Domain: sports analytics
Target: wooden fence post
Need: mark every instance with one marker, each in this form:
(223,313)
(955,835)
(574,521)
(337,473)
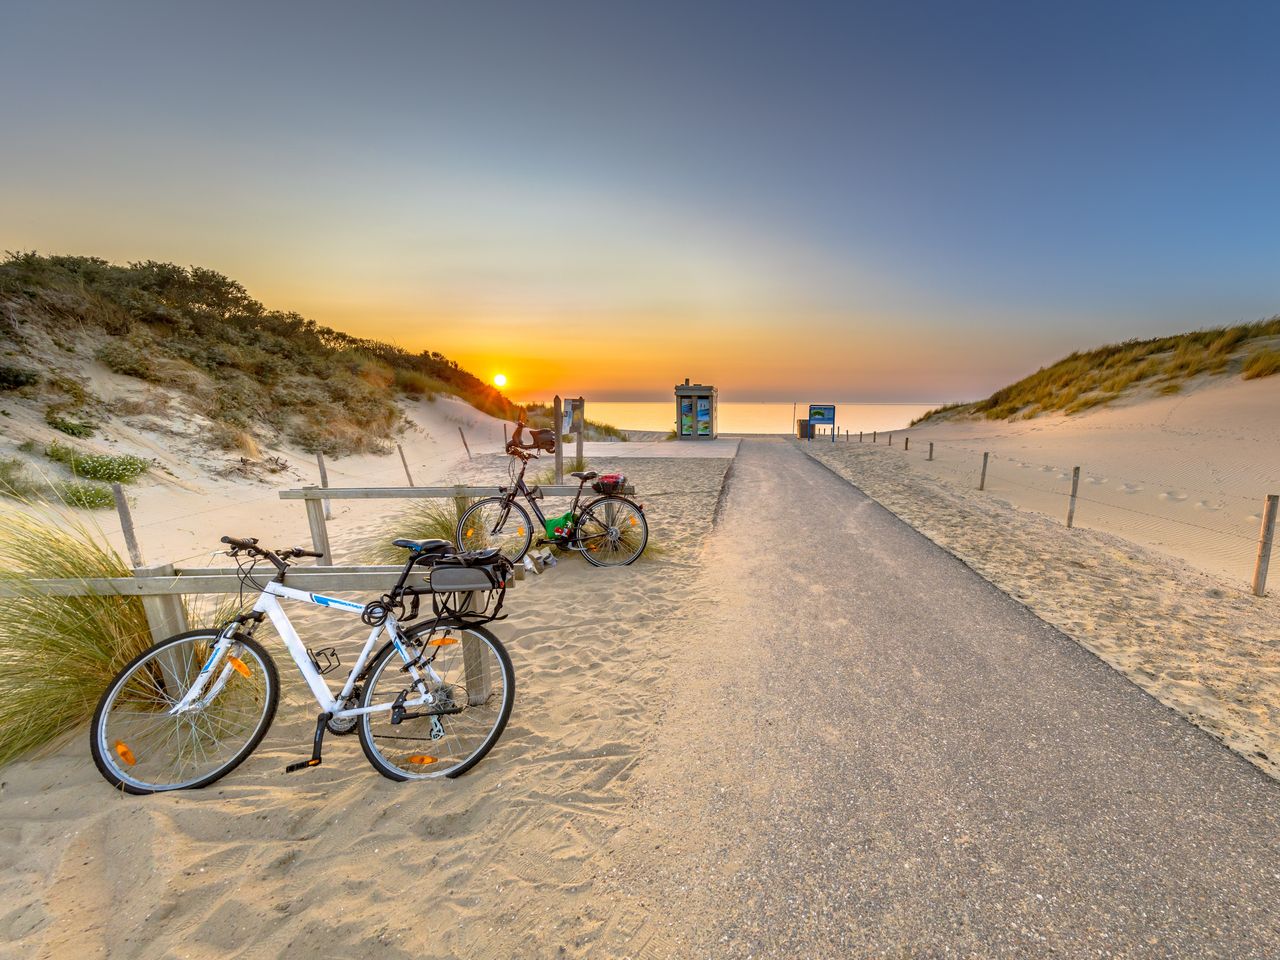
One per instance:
(1265,541)
(319,533)
(906,443)
(859,436)
(475,669)
(407,474)
(582,409)
(126,527)
(930,450)
(165,614)
(874,434)
(1075,488)
(324,482)
(982,480)
(465,446)
(890,436)
(557,411)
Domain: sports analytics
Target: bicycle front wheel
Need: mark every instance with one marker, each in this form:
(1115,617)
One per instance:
(140,747)
(495,522)
(472,686)
(612,532)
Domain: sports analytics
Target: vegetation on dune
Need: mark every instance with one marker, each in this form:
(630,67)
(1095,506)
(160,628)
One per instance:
(425,520)
(98,466)
(243,366)
(57,654)
(1085,380)
(542,415)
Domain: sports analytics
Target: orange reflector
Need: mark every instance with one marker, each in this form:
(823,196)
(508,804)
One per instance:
(421,759)
(471,532)
(239,666)
(633,521)
(442,641)
(519,531)
(125,753)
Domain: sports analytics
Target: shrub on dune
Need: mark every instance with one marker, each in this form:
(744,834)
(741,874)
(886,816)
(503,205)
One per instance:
(431,520)
(1263,362)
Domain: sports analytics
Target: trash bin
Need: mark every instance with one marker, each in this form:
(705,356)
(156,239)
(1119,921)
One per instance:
(802,429)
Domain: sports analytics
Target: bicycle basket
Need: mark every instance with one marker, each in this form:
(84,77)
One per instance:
(544,440)
(609,483)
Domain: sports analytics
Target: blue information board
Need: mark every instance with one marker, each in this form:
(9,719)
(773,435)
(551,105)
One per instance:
(822,415)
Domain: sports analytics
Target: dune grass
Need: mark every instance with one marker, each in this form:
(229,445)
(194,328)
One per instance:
(1263,362)
(98,466)
(1093,378)
(57,654)
(426,520)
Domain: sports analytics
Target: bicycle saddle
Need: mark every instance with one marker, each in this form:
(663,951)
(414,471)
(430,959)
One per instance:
(426,547)
(590,475)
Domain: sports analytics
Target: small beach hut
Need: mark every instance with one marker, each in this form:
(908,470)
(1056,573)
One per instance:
(695,411)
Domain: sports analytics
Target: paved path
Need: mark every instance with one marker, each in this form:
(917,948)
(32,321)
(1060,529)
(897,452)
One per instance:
(872,752)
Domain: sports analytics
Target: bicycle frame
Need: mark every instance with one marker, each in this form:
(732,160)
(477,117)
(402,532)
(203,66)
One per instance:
(269,604)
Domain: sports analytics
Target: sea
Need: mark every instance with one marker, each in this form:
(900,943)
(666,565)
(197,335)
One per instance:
(755,417)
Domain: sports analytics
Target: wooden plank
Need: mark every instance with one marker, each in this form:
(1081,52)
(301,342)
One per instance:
(324,482)
(557,414)
(1075,490)
(420,493)
(475,669)
(1266,538)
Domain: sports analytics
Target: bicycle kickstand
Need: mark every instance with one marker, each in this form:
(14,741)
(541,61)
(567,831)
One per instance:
(315,761)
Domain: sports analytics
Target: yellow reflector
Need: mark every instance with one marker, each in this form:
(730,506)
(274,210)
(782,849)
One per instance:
(442,641)
(421,759)
(125,753)
(471,532)
(239,666)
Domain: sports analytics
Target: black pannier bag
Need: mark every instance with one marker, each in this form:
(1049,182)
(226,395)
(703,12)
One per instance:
(609,483)
(544,440)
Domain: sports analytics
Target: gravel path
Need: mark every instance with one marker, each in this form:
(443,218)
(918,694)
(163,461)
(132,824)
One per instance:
(870,751)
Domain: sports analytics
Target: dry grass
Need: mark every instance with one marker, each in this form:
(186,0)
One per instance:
(432,519)
(1082,381)
(57,654)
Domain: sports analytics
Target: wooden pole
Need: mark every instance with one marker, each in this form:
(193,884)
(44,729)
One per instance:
(582,428)
(1075,488)
(859,436)
(165,614)
(890,436)
(1265,541)
(906,443)
(126,527)
(319,532)
(982,480)
(324,482)
(465,445)
(930,450)
(407,474)
(874,434)
(557,411)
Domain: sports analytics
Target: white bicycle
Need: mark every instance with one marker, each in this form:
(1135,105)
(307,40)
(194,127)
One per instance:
(430,702)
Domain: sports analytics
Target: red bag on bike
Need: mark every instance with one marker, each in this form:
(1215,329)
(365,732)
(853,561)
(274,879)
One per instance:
(609,483)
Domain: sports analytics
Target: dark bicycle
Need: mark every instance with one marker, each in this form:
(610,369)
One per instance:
(609,530)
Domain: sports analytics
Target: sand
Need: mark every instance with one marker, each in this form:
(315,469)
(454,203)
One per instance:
(1200,644)
(1185,474)
(340,861)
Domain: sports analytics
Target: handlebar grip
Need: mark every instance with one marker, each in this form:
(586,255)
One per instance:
(299,552)
(239,543)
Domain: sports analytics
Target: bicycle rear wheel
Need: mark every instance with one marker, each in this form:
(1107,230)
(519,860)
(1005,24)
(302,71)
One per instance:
(468,673)
(493,522)
(140,748)
(611,532)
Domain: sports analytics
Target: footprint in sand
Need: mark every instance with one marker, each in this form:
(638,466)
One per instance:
(1096,481)
(1173,496)
(1206,505)
(1047,469)
(1129,488)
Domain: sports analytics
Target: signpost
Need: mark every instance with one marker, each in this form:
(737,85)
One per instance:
(823,414)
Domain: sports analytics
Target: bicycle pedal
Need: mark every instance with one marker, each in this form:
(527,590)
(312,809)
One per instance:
(303,765)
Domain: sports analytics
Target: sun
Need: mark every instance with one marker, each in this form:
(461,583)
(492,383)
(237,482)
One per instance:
(499,379)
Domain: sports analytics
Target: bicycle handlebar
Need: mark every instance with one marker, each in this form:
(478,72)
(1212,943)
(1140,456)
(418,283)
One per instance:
(277,557)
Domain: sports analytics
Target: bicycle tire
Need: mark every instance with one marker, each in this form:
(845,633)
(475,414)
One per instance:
(120,778)
(369,740)
(471,536)
(636,523)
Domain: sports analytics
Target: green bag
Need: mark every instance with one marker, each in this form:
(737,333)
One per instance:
(560,526)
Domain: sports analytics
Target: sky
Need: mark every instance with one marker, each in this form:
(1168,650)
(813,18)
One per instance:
(878,201)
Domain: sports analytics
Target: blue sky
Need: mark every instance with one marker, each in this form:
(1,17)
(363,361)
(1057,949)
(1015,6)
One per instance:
(880,201)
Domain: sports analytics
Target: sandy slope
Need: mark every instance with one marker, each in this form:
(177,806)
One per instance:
(339,861)
(1185,474)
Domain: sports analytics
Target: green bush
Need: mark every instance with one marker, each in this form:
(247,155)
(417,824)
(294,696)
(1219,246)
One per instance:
(11,378)
(129,359)
(432,519)
(15,481)
(85,495)
(98,466)
(72,428)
